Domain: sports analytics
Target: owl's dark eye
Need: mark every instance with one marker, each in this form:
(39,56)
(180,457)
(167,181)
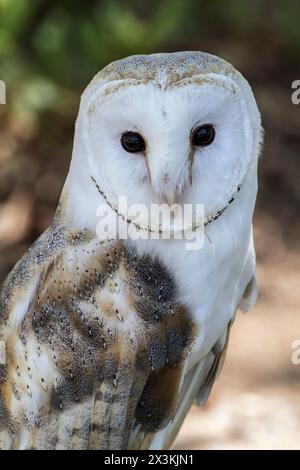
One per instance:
(133,142)
(203,135)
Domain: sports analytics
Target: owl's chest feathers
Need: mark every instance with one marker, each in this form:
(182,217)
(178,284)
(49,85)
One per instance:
(106,320)
(209,281)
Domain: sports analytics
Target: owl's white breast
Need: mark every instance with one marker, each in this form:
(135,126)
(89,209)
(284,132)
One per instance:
(211,281)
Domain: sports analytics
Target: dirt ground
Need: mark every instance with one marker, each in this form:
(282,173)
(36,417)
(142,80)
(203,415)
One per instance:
(255,403)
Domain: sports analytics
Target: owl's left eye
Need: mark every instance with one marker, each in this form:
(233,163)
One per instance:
(132,142)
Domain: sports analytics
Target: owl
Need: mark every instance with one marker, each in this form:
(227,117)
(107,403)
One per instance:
(106,342)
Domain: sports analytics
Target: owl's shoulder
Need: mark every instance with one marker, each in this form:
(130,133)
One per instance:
(44,254)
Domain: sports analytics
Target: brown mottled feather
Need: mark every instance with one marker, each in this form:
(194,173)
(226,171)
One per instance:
(196,385)
(94,338)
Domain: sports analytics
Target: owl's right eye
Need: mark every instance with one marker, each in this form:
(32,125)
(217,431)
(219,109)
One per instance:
(203,135)
(133,142)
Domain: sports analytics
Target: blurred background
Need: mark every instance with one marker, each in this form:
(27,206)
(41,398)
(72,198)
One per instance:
(50,50)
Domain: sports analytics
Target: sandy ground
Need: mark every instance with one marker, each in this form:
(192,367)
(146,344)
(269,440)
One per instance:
(255,403)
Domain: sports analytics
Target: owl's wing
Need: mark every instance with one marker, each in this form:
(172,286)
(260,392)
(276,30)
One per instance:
(198,381)
(91,339)
(196,385)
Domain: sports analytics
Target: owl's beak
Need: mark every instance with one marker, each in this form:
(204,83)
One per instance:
(167,180)
(171,198)
(166,193)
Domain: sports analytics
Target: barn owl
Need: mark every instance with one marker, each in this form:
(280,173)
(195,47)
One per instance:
(106,343)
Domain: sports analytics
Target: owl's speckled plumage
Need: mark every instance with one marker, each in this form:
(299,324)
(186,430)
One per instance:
(164,69)
(105,344)
(78,321)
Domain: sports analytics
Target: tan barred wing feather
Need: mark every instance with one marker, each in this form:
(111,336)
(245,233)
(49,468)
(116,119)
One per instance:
(91,336)
(196,385)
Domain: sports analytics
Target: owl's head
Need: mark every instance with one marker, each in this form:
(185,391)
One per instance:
(167,128)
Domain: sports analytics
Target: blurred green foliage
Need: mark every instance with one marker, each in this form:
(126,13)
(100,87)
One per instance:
(49,48)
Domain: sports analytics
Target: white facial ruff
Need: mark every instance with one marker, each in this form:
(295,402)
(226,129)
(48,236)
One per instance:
(192,227)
